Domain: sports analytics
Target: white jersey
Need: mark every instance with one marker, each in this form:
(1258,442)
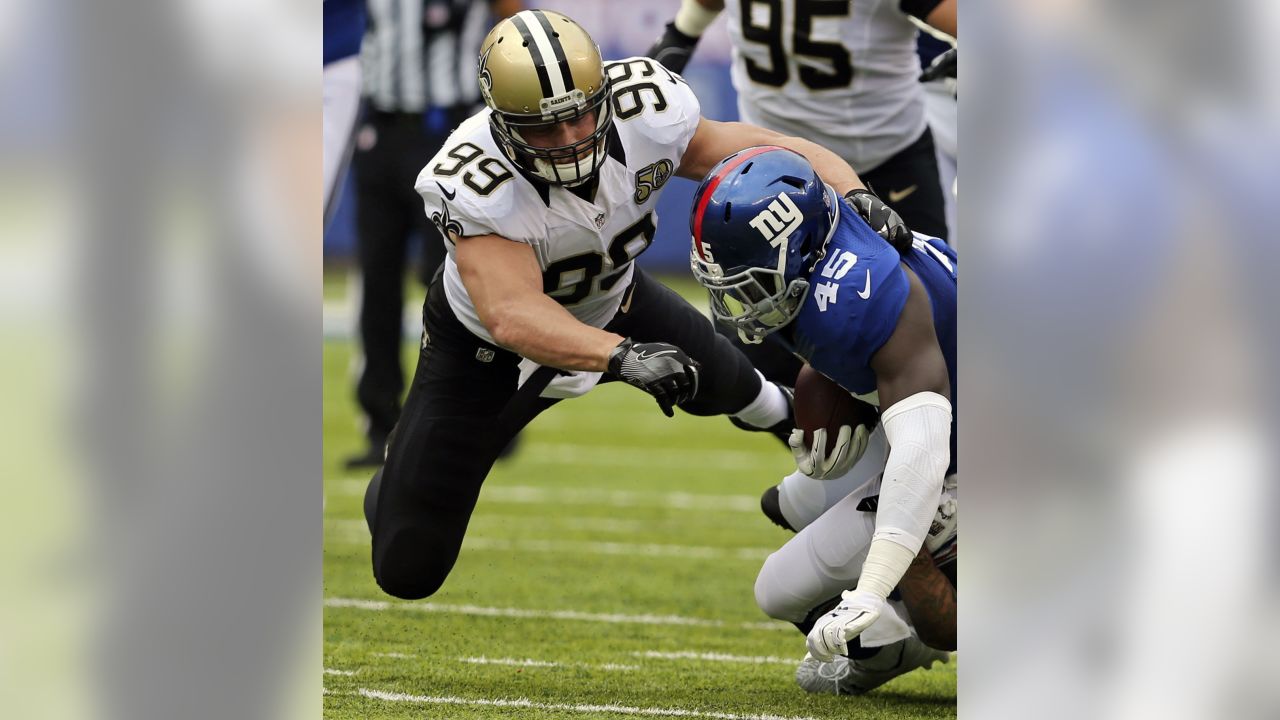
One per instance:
(585,249)
(843,74)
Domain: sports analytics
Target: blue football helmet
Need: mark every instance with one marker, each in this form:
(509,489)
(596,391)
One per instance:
(761,220)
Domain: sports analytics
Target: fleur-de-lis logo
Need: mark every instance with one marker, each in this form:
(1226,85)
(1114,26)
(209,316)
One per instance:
(446,224)
(486,80)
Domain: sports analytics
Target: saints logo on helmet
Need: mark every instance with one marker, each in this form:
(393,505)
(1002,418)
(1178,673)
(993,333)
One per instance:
(542,76)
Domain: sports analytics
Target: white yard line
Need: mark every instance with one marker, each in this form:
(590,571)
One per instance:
(355,532)
(613,548)
(574,615)
(717,657)
(634,456)
(553,522)
(331,671)
(567,707)
(568,522)
(641,457)
(648,655)
(529,662)
(536,495)
(533,494)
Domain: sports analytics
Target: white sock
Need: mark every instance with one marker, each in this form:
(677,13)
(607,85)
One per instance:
(768,409)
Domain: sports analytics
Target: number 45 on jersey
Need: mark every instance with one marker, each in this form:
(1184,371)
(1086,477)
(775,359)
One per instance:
(836,268)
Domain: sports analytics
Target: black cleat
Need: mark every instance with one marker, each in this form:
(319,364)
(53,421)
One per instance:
(773,510)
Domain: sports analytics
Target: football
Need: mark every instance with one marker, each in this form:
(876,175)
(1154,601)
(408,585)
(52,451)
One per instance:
(821,403)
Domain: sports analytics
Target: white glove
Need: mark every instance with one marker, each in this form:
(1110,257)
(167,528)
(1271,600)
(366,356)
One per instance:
(851,443)
(832,632)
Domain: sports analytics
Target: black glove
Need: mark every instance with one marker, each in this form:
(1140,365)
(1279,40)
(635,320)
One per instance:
(673,49)
(660,369)
(942,66)
(882,219)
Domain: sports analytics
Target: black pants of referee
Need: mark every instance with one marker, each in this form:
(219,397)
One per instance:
(907,182)
(464,406)
(391,149)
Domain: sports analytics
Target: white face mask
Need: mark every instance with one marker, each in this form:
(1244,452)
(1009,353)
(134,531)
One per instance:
(572,172)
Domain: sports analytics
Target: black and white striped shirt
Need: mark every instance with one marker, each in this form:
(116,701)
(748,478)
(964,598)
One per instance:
(420,54)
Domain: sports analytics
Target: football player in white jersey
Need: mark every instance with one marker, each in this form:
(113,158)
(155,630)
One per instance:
(841,72)
(545,198)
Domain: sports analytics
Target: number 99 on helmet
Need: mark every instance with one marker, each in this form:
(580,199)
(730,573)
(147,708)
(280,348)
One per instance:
(761,219)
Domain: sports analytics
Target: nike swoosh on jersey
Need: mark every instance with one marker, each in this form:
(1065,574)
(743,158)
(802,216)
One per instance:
(865,292)
(626,302)
(447,193)
(898,195)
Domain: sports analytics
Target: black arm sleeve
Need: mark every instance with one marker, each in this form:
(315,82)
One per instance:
(673,49)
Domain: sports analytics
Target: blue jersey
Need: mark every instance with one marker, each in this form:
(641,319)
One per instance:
(929,48)
(856,294)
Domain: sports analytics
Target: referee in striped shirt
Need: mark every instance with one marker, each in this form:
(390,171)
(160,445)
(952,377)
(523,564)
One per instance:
(419,80)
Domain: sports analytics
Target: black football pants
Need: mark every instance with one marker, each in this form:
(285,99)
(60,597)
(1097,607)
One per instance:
(909,183)
(464,407)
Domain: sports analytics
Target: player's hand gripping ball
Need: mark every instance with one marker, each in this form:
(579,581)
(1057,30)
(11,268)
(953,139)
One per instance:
(832,426)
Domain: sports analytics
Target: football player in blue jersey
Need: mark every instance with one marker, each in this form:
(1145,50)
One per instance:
(788,261)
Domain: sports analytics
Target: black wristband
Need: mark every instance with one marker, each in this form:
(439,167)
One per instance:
(849,195)
(615,357)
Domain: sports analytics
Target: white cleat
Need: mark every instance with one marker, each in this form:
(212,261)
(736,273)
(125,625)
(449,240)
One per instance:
(843,676)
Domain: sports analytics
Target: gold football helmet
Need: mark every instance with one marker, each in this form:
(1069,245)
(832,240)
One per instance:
(539,69)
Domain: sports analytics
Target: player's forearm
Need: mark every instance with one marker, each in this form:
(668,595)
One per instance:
(943,17)
(931,601)
(940,14)
(538,328)
(918,430)
(831,167)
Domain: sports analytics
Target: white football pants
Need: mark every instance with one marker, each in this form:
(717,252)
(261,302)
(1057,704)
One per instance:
(826,556)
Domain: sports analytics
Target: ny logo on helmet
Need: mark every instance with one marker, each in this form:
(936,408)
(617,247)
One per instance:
(779,220)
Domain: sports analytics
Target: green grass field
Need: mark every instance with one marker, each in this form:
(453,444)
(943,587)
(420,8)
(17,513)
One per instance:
(607,573)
